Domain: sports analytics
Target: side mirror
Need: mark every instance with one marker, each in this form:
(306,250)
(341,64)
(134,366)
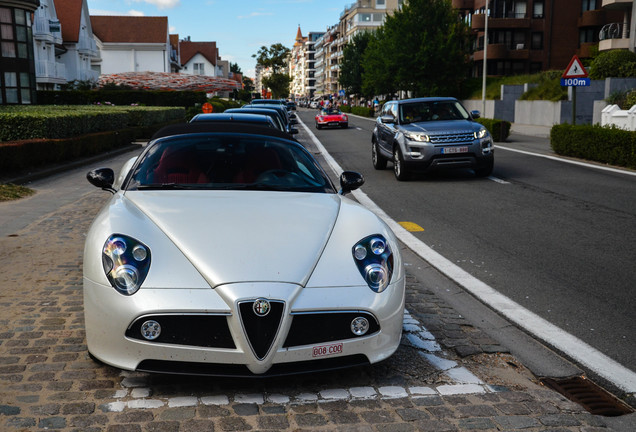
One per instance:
(350,181)
(293,122)
(103,178)
(387,118)
(292,116)
(475,114)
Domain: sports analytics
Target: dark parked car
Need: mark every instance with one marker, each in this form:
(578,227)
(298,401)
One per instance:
(290,118)
(279,120)
(254,119)
(428,134)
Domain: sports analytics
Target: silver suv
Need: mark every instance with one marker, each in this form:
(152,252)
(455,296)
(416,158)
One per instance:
(426,134)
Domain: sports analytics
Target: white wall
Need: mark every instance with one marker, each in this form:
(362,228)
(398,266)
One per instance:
(209,68)
(624,119)
(129,59)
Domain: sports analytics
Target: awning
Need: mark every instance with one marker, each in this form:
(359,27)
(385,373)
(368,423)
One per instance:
(170,81)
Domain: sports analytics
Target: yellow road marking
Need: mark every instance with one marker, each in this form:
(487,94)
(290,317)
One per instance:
(411,226)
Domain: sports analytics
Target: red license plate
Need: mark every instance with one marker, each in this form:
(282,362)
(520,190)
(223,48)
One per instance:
(326,350)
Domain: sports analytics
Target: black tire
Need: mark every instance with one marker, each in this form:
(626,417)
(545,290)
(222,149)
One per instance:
(401,174)
(379,162)
(485,170)
(318,126)
(345,125)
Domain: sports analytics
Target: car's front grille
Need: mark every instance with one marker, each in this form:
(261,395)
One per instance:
(319,327)
(241,371)
(261,330)
(451,137)
(207,330)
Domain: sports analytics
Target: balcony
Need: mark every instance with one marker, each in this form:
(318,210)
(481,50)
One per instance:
(613,36)
(463,4)
(508,21)
(88,47)
(617,4)
(592,18)
(48,71)
(47,30)
(503,52)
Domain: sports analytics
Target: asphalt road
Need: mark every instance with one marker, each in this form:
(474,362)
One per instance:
(559,239)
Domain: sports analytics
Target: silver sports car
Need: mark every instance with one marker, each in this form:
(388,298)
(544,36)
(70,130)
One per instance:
(226,250)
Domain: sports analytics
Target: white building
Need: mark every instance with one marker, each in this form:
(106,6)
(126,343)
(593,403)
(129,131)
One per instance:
(50,72)
(132,43)
(79,42)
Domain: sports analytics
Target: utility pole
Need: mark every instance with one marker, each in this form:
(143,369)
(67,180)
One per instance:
(483,79)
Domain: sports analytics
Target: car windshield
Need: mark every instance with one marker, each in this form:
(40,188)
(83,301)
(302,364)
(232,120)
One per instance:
(432,111)
(228,161)
(330,111)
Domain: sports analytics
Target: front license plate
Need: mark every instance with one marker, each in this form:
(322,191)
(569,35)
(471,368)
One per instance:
(326,350)
(450,150)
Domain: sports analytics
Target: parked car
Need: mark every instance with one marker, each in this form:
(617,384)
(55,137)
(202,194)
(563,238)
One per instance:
(226,250)
(244,118)
(289,118)
(276,116)
(428,134)
(291,105)
(331,117)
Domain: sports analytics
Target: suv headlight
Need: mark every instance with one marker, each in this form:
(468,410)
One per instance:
(416,137)
(374,260)
(482,132)
(126,262)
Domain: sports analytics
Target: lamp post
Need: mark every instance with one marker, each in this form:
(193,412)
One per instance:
(483,79)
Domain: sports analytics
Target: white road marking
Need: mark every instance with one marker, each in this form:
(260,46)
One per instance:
(497,180)
(573,162)
(578,350)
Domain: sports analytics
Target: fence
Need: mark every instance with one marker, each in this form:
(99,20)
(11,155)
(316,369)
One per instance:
(624,119)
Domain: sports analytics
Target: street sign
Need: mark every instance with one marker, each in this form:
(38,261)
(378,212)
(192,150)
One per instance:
(575,82)
(575,69)
(207,108)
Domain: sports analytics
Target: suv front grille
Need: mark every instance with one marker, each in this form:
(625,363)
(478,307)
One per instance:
(452,137)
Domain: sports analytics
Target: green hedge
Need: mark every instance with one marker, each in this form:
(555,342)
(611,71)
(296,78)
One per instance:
(596,143)
(19,155)
(358,110)
(499,129)
(54,122)
(119,97)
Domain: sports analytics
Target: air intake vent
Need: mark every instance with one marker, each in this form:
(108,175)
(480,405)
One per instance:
(261,323)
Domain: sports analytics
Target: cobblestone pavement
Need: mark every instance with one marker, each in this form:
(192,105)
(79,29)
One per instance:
(446,376)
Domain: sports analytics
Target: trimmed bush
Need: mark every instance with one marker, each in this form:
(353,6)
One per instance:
(596,143)
(613,63)
(54,122)
(499,129)
(119,97)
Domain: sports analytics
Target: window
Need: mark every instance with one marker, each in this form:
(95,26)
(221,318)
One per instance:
(537,9)
(537,41)
(380,4)
(11,87)
(198,68)
(364,17)
(588,35)
(588,5)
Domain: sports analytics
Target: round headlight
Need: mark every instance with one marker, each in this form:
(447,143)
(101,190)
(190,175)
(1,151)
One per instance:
(360,252)
(126,278)
(359,326)
(150,330)
(378,246)
(139,253)
(116,246)
(377,277)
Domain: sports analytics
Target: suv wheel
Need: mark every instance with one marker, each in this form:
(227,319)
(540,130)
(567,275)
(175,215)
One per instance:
(379,162)
(398,165)
(486,170)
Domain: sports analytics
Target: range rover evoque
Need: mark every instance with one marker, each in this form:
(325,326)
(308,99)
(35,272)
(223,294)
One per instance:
(433,133)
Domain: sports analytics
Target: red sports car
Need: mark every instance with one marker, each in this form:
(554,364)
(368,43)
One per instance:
(331,117)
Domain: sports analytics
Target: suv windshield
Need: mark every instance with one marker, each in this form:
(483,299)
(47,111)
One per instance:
(432,111)
(228,161)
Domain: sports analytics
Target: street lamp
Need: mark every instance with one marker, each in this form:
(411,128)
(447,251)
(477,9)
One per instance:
(483,78)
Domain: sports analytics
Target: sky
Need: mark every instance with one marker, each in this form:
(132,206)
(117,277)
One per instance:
(239,27)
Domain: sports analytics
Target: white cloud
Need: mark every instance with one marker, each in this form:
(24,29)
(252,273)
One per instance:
(172,29)
(162,4)
(254,14)
(133,12)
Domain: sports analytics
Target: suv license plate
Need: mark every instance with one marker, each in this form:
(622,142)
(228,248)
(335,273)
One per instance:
(449,150)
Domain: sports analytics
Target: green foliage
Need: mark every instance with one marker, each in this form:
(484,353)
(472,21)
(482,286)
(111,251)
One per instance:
(597,143)
(613,64)
(499,129)
(274,57)
(630,100)
(617,98)
(117,96)
(548,88)
(423,48)
(278,83)
(29,122)
(10,192)
(357,110)
(352,66)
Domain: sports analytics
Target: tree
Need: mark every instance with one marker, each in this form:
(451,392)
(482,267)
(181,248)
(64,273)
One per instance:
(424,48)
(352,67)
(275,58)
(235,68)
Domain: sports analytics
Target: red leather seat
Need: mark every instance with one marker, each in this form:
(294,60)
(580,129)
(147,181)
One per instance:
(178,166)
(258,161)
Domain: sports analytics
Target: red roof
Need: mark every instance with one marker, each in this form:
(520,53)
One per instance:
(170,81)
(130,29)
(206,49)
(69,12)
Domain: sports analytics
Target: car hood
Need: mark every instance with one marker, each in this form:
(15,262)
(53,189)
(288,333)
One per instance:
(447,126)
(244,236)
(330,116)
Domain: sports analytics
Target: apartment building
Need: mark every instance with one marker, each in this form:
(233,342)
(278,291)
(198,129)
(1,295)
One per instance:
(50,71)
(529,36)
(17,67)
(619,34)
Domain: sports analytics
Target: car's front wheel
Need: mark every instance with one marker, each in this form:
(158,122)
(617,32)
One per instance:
(398,165)
(318,126)
(485,170)
(379,162)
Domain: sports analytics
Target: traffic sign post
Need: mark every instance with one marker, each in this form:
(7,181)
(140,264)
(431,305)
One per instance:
(574,76)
